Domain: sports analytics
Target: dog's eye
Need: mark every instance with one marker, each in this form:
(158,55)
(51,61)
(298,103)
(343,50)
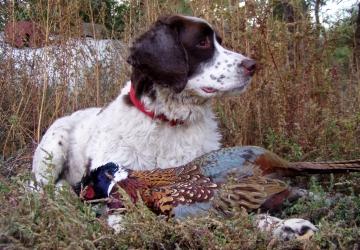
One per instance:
(204,43)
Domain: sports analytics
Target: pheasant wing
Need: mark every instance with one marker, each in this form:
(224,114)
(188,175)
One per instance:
(164,177)
(189,193)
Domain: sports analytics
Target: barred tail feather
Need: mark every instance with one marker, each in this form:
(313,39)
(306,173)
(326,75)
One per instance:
(327,167)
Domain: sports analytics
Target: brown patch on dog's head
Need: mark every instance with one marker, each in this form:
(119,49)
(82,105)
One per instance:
(170,52)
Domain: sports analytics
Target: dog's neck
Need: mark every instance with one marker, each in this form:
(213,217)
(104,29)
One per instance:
(185,107)
(150,113)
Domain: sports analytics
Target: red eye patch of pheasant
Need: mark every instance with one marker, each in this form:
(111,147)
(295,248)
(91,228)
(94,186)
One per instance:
(87,193)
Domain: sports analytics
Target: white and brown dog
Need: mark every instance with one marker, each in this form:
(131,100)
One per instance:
(162,118)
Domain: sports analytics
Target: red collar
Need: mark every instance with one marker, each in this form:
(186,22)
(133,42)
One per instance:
(140,106)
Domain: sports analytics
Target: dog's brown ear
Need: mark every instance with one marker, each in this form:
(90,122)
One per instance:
(160,56)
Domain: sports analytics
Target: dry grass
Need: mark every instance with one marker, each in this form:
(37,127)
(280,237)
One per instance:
(301,104)
(295,94)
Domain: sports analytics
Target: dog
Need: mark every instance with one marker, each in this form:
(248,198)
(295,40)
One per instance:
(162,117)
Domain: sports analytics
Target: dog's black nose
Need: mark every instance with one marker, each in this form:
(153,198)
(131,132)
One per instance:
(249,65)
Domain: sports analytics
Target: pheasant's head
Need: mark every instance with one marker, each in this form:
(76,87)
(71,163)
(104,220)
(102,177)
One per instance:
(99,182)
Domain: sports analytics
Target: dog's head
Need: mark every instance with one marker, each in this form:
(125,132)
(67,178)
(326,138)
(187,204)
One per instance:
(185,53)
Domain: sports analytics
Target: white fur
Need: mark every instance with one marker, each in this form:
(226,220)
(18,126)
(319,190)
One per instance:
(121,134)
(124,135)
(223,73)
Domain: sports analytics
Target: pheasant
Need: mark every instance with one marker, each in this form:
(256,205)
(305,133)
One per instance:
(249,177)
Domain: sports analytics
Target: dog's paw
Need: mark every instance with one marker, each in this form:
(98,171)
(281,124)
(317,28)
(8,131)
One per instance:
(286,229)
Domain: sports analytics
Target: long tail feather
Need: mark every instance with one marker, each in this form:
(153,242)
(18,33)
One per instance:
(327,167)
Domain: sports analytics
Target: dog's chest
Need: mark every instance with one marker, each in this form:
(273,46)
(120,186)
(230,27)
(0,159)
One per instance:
(142,143)
(172,147)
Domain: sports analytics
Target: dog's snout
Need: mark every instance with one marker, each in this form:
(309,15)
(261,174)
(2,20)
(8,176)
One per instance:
(249,66)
